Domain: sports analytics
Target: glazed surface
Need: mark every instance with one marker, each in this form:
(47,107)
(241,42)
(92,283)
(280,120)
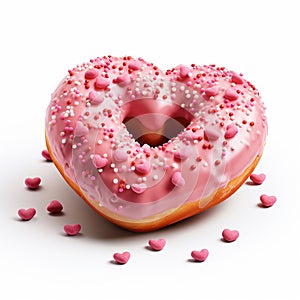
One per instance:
(86,132)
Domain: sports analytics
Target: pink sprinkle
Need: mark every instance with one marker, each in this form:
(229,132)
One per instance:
(72,229)
(26,214)
(95,98)
(211,134)
(230,235)
(237,79)
(120,155)
(80,129)
(33,183)
(46,155)
(122,79)
(157,245)
(184,71)
(182,154)
(231,94)
(99,162)
(54,207)
(121,258)
(231,131)
(178,180)
(143,168)
(101,83)
(200,256)
(134,65)
(139,187)
(258,178)
(267,201)
(212,91)
(91,74)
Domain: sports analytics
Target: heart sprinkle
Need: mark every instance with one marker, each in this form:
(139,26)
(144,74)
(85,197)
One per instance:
(230,235)
(46,155)
(72,229)
(258,178)
(200,255)
(157,245)
(33,183)
(26,214)
(54,207)
(121,258)
(267,201)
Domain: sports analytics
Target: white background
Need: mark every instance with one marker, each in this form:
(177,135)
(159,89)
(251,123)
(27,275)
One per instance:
(40,41)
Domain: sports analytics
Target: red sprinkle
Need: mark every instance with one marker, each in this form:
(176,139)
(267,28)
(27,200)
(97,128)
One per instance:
(72,229)
(26,214)
(33,183)
(46,155)
(54,207)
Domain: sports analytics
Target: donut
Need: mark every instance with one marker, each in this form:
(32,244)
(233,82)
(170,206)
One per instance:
(146,148)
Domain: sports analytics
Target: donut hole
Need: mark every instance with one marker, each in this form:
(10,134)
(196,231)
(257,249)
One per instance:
(154,138)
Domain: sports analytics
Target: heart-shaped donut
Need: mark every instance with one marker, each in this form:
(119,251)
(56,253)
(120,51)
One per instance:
(147,148)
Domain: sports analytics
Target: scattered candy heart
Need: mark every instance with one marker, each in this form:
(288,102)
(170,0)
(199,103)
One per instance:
(26,214)
(54,207)
(33,183)
(200,255)
(72,229)
(230,235)
(46,155)
(157,244)
(267,201)
(258,178)
(122,258)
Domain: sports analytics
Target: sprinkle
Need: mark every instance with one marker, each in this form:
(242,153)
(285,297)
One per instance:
(258,178)
(157,245)
(230,235)
(121,258)
(231,131)
(231,94)
(139,187)
(267,201)
(33,183)
(91,74)
(26,214)
(101,83)
(54,207)
(99,162)
(200,256)
(72,230)
(177,179)
(46,155)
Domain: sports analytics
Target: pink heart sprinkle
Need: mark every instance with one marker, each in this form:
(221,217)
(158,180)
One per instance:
(200,255)
(157,244)
(184,71)
(33,183)
(143,168)
(122,258)
(120,155)
(99,162)
(177,179)
(101,83)
(91,74)
(26,214)
(139,187)
(231,131)
(72,229)
(212,91)
(258,178)
(80,129)
(230,235)
(46,155)
(211,134)
(54,207)
(267,201)
(237,79)
(231,94)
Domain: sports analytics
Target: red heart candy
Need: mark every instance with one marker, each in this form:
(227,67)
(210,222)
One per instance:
(122,258)
(72,229)
(26,214)
(258,178)
(33,183)
(55,207)
(200,255)
(46,155)
(267,201)
(157,244)
(230,235)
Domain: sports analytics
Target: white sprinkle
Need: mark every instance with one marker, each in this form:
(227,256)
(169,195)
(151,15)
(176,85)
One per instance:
(74,146)
(63,141)
(127,186)
(116,170)
(205,164)
(99,142)
(112,165)
(105,155)
(115,180)
(155,177)
(144,179)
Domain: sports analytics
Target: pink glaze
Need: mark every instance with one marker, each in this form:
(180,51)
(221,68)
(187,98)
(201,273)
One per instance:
(226,131)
